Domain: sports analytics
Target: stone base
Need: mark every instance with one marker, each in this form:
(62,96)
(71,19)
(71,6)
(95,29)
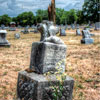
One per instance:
(4,44)
(87,41)
(32,86)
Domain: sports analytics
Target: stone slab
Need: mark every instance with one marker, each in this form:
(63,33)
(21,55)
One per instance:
(87,41)
(32,86)
(62,32)
(45,56)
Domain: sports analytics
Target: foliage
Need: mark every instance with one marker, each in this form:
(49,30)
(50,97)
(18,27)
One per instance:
(5,19)
(57,91)
(90,10)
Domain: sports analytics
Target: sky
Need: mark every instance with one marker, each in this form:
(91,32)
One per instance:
(15,7)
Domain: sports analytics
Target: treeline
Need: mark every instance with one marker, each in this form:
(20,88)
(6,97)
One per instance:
(88,13)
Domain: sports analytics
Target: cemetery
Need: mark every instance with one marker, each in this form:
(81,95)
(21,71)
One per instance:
(49,61)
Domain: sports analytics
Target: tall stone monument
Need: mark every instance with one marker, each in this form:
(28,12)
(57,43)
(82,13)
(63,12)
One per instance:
(32,84)
(3,41)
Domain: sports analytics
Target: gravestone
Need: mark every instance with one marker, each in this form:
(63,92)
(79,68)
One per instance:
(97,26)
(77,25)
(3,41)
(86,37)
(62,32)
(78,32)
(12,26)
(2,27)
(32,84)
(17,36)
(26,31)
(73,26)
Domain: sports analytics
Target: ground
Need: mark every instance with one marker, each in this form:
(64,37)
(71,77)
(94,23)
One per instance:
(83,64)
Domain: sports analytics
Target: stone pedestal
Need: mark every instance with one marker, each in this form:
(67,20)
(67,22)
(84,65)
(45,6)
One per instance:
(32,86)
(46,55)
(3,41)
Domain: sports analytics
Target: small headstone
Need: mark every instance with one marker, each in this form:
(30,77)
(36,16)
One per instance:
(78,32)
(77,26)
(86,37)
(62,32)
(3,27)
(17,36)
(26,30)
(3,41)
(97,26)
(73,26)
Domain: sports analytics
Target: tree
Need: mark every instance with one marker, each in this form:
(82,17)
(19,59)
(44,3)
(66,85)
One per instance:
(90,10)
(5,19)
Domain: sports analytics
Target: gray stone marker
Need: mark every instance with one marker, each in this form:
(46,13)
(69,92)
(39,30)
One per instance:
(17,36)
(3,41)
(62,32)
(73,26)
(3,27)
(97,26)
(26,31)
(32,84)
(86,37)
(78,32)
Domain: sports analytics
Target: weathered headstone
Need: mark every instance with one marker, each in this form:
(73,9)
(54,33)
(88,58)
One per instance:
(12,26)
(86,37)
(97,26)
(3,27)
(73,26)
(3,41)
(26,31)
(78,32)
(17,36)
(32,84)
(62,32)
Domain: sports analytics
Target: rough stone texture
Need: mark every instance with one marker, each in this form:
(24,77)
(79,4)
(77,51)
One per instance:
(62,32)
(32,86)
(86,37)
(26,30)
(3,41)
(78,32)
(45,56)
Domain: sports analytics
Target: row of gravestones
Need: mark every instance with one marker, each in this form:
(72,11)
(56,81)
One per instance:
(85,34)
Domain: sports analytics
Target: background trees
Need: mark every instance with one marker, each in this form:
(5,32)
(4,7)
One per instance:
(90,12)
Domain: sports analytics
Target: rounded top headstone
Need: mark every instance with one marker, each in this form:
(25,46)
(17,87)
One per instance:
(3,31)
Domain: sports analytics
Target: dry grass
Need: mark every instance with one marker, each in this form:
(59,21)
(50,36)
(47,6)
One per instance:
(83,64)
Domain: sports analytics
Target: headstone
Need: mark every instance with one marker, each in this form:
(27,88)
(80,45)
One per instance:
(69,27)
(62,32)
(78,32)
(77,26)
(86,37)
(3,41)
(17,36)
(32,84)
(12,26)
(97,26)
(73,26)
(26,31)
(3,27)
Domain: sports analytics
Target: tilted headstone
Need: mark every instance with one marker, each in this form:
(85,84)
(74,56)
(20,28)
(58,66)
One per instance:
(3,41)
(78,32)
(86,37)
(97,26)
(32,84)
(17,36)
